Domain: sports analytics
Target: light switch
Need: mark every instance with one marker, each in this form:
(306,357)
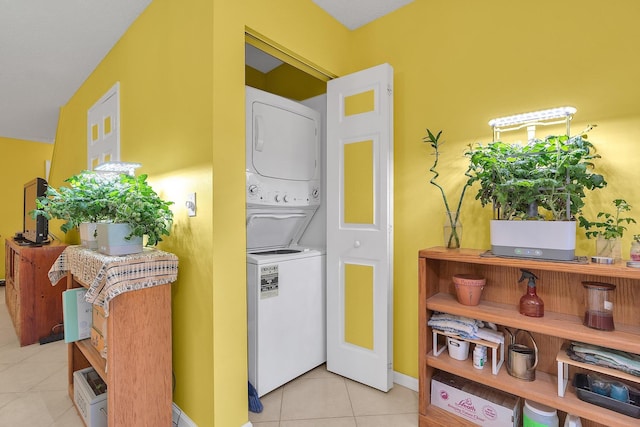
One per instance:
(191,204)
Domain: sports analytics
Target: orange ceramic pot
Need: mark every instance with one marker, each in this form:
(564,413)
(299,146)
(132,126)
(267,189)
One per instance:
(469,288)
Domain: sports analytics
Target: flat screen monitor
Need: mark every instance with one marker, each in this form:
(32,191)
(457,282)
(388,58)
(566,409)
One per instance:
(35,230)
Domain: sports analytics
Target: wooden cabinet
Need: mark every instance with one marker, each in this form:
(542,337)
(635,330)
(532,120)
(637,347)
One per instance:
(34,305)
(137,369)
(135,293)
(560,287)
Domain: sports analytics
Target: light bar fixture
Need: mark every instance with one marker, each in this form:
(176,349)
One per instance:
(535,116)
(118,167)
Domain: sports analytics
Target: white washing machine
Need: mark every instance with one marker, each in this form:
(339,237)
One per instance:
(286,315)
(285,283)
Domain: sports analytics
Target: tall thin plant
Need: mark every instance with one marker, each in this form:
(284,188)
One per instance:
(453,217)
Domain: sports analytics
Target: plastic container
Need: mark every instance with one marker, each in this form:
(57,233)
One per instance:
(479,356)
(536,414)
(572,421)
(458,349)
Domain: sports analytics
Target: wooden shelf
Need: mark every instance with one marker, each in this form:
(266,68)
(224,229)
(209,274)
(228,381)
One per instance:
(566,326)
(560,287)
(542,390)
(93,357)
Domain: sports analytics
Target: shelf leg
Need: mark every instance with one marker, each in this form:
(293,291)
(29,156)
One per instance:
(563,378)
(497,364)
(436,351)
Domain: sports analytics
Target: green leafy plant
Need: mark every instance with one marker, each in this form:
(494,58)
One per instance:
(134,202)
(551,173)
(96,197)
(609,225)
(453,217)
(85,199)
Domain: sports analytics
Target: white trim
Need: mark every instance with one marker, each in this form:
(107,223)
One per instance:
(180,419)
(405,381)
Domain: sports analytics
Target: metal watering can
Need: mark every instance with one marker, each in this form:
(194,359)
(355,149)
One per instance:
(522,360)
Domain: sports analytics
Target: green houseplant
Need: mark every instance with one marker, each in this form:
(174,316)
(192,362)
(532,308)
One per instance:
(608,229)
(544,179)
(453,229)
(104,198)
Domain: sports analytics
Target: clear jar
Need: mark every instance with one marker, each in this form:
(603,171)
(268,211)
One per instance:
(635,251)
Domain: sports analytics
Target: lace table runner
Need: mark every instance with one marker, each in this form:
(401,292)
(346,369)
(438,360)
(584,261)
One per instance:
(108,276)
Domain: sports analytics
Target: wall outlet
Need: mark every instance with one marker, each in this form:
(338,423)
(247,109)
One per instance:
(191,204)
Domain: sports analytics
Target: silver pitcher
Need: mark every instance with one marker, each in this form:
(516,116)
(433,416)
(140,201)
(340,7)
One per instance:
(522,360)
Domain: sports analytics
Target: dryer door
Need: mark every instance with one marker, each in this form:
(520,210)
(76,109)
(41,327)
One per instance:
(285,141)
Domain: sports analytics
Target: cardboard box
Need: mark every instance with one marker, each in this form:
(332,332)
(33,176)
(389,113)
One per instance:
(98,342)
(480,404)
(99,320)
(90,397)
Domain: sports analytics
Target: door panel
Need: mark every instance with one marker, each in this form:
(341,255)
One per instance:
(360,226)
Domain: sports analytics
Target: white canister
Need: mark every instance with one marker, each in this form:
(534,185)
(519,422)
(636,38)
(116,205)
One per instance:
(458,349)
(536,414)
(479,356)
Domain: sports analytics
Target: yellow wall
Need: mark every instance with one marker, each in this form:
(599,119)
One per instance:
(181,69)
(20,162)
(459,64)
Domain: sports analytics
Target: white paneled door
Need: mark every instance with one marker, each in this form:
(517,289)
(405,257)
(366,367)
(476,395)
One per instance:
(360,226)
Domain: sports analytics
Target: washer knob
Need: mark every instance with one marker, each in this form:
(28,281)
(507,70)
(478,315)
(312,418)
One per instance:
(253,189)
(285,198)
(277,198)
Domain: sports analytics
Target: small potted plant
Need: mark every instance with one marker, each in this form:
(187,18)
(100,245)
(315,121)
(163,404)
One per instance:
(544,180)
(136,211)
(608,229)
(82,203)
(118,206)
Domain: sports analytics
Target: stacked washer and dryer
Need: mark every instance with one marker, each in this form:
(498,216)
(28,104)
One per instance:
(286,296)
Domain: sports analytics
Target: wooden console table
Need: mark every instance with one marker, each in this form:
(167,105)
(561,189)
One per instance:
(135,292)
(34,305)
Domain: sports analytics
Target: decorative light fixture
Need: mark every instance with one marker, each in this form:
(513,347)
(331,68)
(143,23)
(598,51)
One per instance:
(530,120)
(118,167)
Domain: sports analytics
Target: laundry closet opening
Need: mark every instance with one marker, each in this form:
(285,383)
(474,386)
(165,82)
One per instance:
(286,215)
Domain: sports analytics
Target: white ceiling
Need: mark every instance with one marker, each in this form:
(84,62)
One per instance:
(48,48)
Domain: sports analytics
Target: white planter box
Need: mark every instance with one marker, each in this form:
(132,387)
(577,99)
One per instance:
(91,406)
(555,240)
(88,235)
(111,240)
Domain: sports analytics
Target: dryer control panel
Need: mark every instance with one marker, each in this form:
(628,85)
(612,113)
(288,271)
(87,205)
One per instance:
(263,191)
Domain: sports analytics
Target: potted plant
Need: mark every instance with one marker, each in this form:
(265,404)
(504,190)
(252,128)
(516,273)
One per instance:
(452,227)
(608,229)
(123,207)
(83,203)
(545,179)
(136,211)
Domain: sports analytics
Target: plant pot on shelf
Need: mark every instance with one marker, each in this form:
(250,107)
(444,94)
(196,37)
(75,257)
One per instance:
(89,234)
(112,239)
(469,288)
(554,240)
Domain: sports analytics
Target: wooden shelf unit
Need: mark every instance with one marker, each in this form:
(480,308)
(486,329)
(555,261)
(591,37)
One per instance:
(34,305)
(560,287)
(138,367)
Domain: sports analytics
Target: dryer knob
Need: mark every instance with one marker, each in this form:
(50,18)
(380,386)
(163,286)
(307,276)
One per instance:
(277,198)
(315,193)
(253,189)
(285,198)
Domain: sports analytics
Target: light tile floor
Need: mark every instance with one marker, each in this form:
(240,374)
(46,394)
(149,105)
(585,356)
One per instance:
(320,398)
(33,381)
(33,393)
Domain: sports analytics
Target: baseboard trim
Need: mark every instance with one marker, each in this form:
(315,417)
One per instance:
(180,419)
(405,381)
